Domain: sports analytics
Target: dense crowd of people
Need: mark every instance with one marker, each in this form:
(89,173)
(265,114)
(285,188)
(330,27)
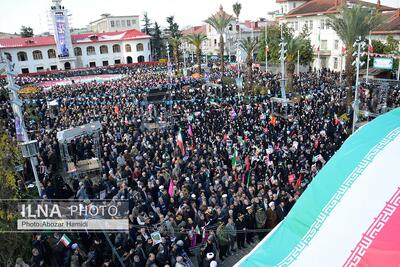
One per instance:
(237,174)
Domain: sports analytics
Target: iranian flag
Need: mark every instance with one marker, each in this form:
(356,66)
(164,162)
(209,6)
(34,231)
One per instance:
(179,141)
(350,214)
(197,230)
(235,158)
(65,241)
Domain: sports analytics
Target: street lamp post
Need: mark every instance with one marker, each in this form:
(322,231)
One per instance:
(359,44)
(341,68)
(282,58)
(29,148)
(319,52)
(184,62)
(266,47)
(169,65)
(298,63)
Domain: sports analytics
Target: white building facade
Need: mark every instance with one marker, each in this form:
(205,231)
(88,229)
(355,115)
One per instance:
(108,23)
(328,48)
(64,51)
(210,47)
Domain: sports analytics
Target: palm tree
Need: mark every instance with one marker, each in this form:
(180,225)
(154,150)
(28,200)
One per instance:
(219,22)
(196,39)
(175,42)
(249,46)
(292,48)
(351,23)
(237,7)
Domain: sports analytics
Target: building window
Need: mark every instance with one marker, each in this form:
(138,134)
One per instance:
(230,27)
(128,23)
(294,5)
(8,56)
(92,64)
(123,23)
(53,67)
(336,44)
(37,55)
(112,23)
(39,69)
(117,61)
(51,53)
(335,63)
(116,48)
(139,47)
(322,24)
(327,24)
(311,25)
(118,23)
(103,49)
(25,70)
(105,63)
(296,25)
(215,42)
(324,44)
(133,22)
(248,38)
(90,50)
(78,51)
(128,48)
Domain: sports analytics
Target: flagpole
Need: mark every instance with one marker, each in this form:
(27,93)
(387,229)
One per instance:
(369,45)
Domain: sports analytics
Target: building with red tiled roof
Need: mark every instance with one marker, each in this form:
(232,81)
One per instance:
(64,50)
(327,45)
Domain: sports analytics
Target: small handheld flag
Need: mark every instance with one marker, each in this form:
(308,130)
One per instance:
(65,241)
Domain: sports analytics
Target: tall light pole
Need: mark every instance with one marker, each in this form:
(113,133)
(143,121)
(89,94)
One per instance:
(341,68)
(298,63)
(184,62)
(29,148)
(266,47)
(169,65)
(359,44)
(282,58)
(398,69)
(319,52)
(368,58)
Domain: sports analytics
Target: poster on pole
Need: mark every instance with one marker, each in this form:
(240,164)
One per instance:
(383,63)
(60,36)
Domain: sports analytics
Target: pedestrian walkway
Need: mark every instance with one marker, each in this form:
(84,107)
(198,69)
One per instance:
(231,260)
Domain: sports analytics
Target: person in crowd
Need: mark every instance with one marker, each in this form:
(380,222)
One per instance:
(233,174)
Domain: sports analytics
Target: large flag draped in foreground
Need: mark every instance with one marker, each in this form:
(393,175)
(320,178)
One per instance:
(349,215)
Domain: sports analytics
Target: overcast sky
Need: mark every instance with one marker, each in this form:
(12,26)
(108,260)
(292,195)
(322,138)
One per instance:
(16,13)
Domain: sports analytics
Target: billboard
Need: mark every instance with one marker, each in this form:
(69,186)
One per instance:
(60,36)
(383,63)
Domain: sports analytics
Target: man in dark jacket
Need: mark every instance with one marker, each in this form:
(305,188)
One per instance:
(272,217)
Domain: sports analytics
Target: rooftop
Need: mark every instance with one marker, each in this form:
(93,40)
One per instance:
(195,29)
(131,34)
(391,23)
(316,7)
